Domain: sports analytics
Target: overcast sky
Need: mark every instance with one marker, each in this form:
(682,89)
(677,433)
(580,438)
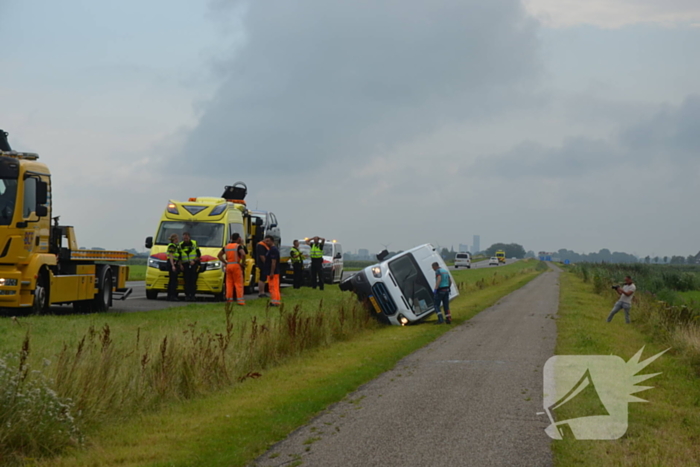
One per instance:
(549,123)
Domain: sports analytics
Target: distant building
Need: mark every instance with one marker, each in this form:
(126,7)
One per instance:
(476,244)
(363,254)
(463,248)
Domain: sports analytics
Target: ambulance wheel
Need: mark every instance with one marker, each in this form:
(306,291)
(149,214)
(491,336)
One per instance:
(151,294)
(41,294)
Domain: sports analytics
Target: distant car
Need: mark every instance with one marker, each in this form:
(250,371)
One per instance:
(463,260)
(493,261)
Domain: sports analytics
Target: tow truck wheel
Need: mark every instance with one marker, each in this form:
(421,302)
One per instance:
(41,294)
(151,294)
(103,299)
(250,288)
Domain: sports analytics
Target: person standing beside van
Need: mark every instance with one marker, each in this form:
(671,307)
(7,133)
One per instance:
(316,243)
(174,267)
(297,264)
(233,256)
(261,250)
(273,272)
(443,282)
(189,256)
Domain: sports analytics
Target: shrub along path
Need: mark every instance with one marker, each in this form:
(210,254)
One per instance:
(469,398)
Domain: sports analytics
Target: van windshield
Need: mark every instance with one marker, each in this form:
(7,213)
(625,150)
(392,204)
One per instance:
(462,256)
(206,234)
(412,282)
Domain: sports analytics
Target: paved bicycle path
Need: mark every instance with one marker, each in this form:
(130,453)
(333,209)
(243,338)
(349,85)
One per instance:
(469,398)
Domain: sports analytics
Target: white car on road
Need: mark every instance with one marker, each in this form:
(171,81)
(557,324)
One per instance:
(493,261)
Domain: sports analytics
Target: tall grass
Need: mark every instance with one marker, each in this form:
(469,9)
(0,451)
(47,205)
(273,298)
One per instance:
(104,381)
(498,277)
(33,417)
(107,375)
(658,305)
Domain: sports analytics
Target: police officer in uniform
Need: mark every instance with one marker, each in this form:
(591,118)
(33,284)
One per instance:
(189,257)
(297,264)
(316,244)
(174,267)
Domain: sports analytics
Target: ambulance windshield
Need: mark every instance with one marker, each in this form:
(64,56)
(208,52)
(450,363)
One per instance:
(206,234)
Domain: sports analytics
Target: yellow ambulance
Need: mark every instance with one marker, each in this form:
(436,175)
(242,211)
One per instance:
(210,222)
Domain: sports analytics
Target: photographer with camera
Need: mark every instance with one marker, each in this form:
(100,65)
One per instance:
(626,292)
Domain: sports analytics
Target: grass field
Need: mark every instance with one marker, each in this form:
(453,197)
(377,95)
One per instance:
(137,272)
(234,425)
(663,432)
(691,297)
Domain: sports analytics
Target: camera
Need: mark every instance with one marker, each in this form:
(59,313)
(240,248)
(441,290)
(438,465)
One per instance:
(615,287)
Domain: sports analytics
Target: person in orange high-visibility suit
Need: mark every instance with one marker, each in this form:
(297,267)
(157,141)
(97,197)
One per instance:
(233,256)
(273,271)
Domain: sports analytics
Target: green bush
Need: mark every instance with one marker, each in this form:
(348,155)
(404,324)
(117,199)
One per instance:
(34,420)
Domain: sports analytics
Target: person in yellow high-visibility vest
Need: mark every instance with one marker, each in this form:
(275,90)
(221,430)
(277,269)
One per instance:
(233,256)
(189,257)
(174,267)
(316,244)
(297,264)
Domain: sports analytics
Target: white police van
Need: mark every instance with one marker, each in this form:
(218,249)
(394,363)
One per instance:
(399,290)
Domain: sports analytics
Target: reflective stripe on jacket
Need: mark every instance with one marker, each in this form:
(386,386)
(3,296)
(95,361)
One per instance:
(316,252)
(174,252)
(232,253)
(189,253)
(298,258)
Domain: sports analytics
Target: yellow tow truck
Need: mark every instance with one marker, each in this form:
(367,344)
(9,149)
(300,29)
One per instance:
(41,264)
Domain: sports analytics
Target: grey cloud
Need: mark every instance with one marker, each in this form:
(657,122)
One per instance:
(576,157)
(319,80)
(671,136)
(673,133)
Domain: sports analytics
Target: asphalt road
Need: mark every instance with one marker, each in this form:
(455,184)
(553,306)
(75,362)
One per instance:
(137,301)
(469,398)
(484,264)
